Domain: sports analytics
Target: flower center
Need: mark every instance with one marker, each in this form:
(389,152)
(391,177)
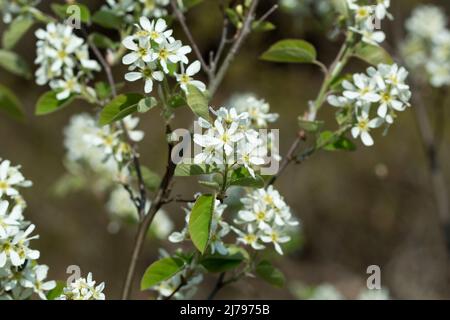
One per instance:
(185,79)
(163,54)
(260,216)
(3,185)
(363,125)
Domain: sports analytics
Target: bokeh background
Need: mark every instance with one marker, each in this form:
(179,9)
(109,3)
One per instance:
(371,206)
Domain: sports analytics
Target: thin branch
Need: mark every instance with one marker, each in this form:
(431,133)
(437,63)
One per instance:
(181,18)
(268,13)
(242,36)
(157,203)
(218,286)
(183,282)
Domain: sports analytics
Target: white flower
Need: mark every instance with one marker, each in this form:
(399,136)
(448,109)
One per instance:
(185,78)
(140,51)
(131,123)
(39,285)
(171,52)
(9,222)
(257,110)
(426,21)
(148,73)
(83,289)
(66,86)
(276,237)
(17,249)
(155,8)
(156,31)
(381,9)
(249,238)
(362,90)
(11,179)
(363,126)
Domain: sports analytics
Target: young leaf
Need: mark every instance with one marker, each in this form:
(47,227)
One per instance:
(57,291)
(340,6)
(13,63)
(47,103)
(16,30)
(291,51)
(331,142)
(222,263)
(200,221)
(146,104)
(241,177)
(266,271)
(188,4)
(262,26)
(122,106)
(371,54)
(61,11)
(186,170)
(161,270)
(198,102)
(10,103)
(310,126)
(107,19)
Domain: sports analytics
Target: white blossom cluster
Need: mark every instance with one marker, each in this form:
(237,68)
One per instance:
(219,229)
(156,54)
(20,274)
(383,87)
(11,9)
(83,289)
(64,61)
(257,110)
(265,219)
(427,45)
(367,18)
(102,153)
(230,140)
(147,8)
(168,287)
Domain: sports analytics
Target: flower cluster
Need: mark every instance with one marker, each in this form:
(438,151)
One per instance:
(257,110)
(366,19)
(20,274)
(83,289)
(383,87)
(64,61)
(12,9)
(265,218)
(155,54)
(427,45)
(219,229)
(231,140)
(102,154)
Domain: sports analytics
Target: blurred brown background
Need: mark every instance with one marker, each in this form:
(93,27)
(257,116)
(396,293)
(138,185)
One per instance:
(372,206)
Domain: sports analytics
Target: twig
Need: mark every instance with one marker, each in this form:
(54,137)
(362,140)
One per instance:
(183,282)
(182,20)
(158,201)
(243,34)
(218,286)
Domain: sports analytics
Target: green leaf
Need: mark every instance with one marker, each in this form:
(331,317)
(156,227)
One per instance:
(102,41)
(310,126)
(151,179)
(197,101)
(291,51)
(13,63)
(177,101)
(222,263)
(331,142)
(161,270)
(66,10)
(103,90)
(371,54)
(10,103)
(270,274)
(340,6)
(242,177)
(233,17)
(56,291)
(47,103)
(263,26)
(16,30)
(146,104)
(210,184)
(122,106)
(186,170)
(200,221)
(107,19)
